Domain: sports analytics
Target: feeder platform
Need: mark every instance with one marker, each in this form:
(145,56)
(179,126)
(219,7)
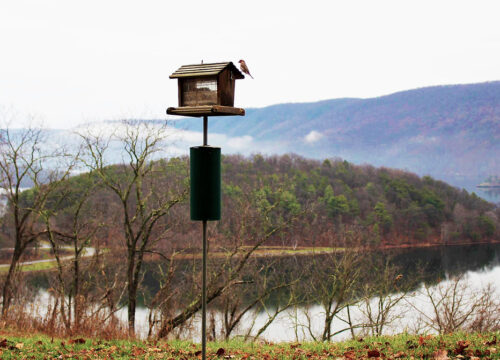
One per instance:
(206,110)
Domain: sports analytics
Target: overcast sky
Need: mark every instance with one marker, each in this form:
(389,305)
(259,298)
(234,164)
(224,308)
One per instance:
(69,62)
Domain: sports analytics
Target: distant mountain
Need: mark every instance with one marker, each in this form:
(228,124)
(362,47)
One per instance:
(449,132)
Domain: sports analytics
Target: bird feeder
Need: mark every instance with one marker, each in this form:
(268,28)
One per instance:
(206,90)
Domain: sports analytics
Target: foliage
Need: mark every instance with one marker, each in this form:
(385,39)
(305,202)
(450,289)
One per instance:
(399,205)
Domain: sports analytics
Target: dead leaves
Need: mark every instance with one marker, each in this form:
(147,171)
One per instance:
(351,354)
(422,339)
(77,341)
(399,354)
(440,355)
(373,353)
(4,343)
(404,347)
(461,346)
(492,342)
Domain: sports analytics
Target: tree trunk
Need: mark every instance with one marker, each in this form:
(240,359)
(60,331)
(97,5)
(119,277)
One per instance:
(132,293)
(6,292)
(76,290)
(131,311)
(328,327)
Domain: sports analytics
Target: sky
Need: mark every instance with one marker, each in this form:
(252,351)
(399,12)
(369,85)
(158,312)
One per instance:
(70,62)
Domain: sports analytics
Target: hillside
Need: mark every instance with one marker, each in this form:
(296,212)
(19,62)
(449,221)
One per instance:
(449,132)
(385,207)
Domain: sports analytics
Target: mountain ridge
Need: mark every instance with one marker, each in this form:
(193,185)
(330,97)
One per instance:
(451,132)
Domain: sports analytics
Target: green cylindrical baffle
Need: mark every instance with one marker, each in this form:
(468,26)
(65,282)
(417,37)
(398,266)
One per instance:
(205,182)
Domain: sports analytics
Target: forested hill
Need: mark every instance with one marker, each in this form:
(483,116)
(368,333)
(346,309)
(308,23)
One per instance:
(387,205)
(449,132)
(326,198)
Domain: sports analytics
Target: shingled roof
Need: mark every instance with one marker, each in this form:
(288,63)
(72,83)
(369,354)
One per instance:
(205,70)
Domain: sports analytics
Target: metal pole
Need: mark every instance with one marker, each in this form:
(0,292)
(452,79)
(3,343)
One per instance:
(204,295)
(205,130)
(204,265)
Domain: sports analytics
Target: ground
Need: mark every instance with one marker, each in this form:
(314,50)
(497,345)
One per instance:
(16,345)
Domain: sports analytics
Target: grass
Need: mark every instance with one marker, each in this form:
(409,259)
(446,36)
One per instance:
(459,345)
(40,266)
(266,251)
(33,267)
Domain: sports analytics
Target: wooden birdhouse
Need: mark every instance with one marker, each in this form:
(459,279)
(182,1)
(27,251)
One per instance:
(206,90)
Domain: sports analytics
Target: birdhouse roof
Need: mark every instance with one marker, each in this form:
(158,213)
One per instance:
(197,70)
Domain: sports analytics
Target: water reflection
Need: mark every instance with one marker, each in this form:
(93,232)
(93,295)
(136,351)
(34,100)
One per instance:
(430,265)
(444,261)
(414,314)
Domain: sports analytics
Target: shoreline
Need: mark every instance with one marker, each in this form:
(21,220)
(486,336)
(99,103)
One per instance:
(265,251)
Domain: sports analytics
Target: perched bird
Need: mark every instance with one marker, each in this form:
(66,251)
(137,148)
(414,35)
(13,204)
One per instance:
(244,68)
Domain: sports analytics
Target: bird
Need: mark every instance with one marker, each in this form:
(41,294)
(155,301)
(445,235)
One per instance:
(244,68)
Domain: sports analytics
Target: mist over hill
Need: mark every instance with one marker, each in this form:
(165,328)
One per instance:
(449,132)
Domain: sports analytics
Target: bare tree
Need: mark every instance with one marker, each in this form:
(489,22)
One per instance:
(72,223)
(144,200)
(381,295)
(262,281)
(24,164)
(487,314)
(164,300)
(261,216)
(455,305)
(334,278)
(273,312)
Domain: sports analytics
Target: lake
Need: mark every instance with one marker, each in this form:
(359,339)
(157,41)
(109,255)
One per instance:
(479,264)
(435,267)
